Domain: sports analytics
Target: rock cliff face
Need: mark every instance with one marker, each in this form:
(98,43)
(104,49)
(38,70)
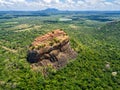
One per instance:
(52,49)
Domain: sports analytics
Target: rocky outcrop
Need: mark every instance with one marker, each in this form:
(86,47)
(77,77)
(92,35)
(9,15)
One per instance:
(52,49)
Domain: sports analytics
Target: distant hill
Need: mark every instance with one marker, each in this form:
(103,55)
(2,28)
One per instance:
(50,10)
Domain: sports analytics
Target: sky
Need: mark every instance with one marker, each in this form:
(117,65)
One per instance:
(76,5)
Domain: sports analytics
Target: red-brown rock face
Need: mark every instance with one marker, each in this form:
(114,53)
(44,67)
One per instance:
(51,49)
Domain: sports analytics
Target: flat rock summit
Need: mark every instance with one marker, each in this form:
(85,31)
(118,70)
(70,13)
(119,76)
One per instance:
(52,49)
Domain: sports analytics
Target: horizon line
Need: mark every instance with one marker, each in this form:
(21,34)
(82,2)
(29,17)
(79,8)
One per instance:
(63,10)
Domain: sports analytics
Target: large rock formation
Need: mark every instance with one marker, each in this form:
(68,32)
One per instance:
(52,49)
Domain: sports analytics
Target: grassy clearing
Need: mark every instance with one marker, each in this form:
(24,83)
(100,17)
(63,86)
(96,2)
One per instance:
(22,26)
(73,26)
(28,29)
(37,26)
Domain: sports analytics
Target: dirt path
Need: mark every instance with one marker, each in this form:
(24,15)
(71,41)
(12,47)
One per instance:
(9,49)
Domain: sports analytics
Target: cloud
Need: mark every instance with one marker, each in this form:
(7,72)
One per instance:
(117,2)
(60,4)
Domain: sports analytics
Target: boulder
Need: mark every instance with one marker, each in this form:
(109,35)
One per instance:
(52,49)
